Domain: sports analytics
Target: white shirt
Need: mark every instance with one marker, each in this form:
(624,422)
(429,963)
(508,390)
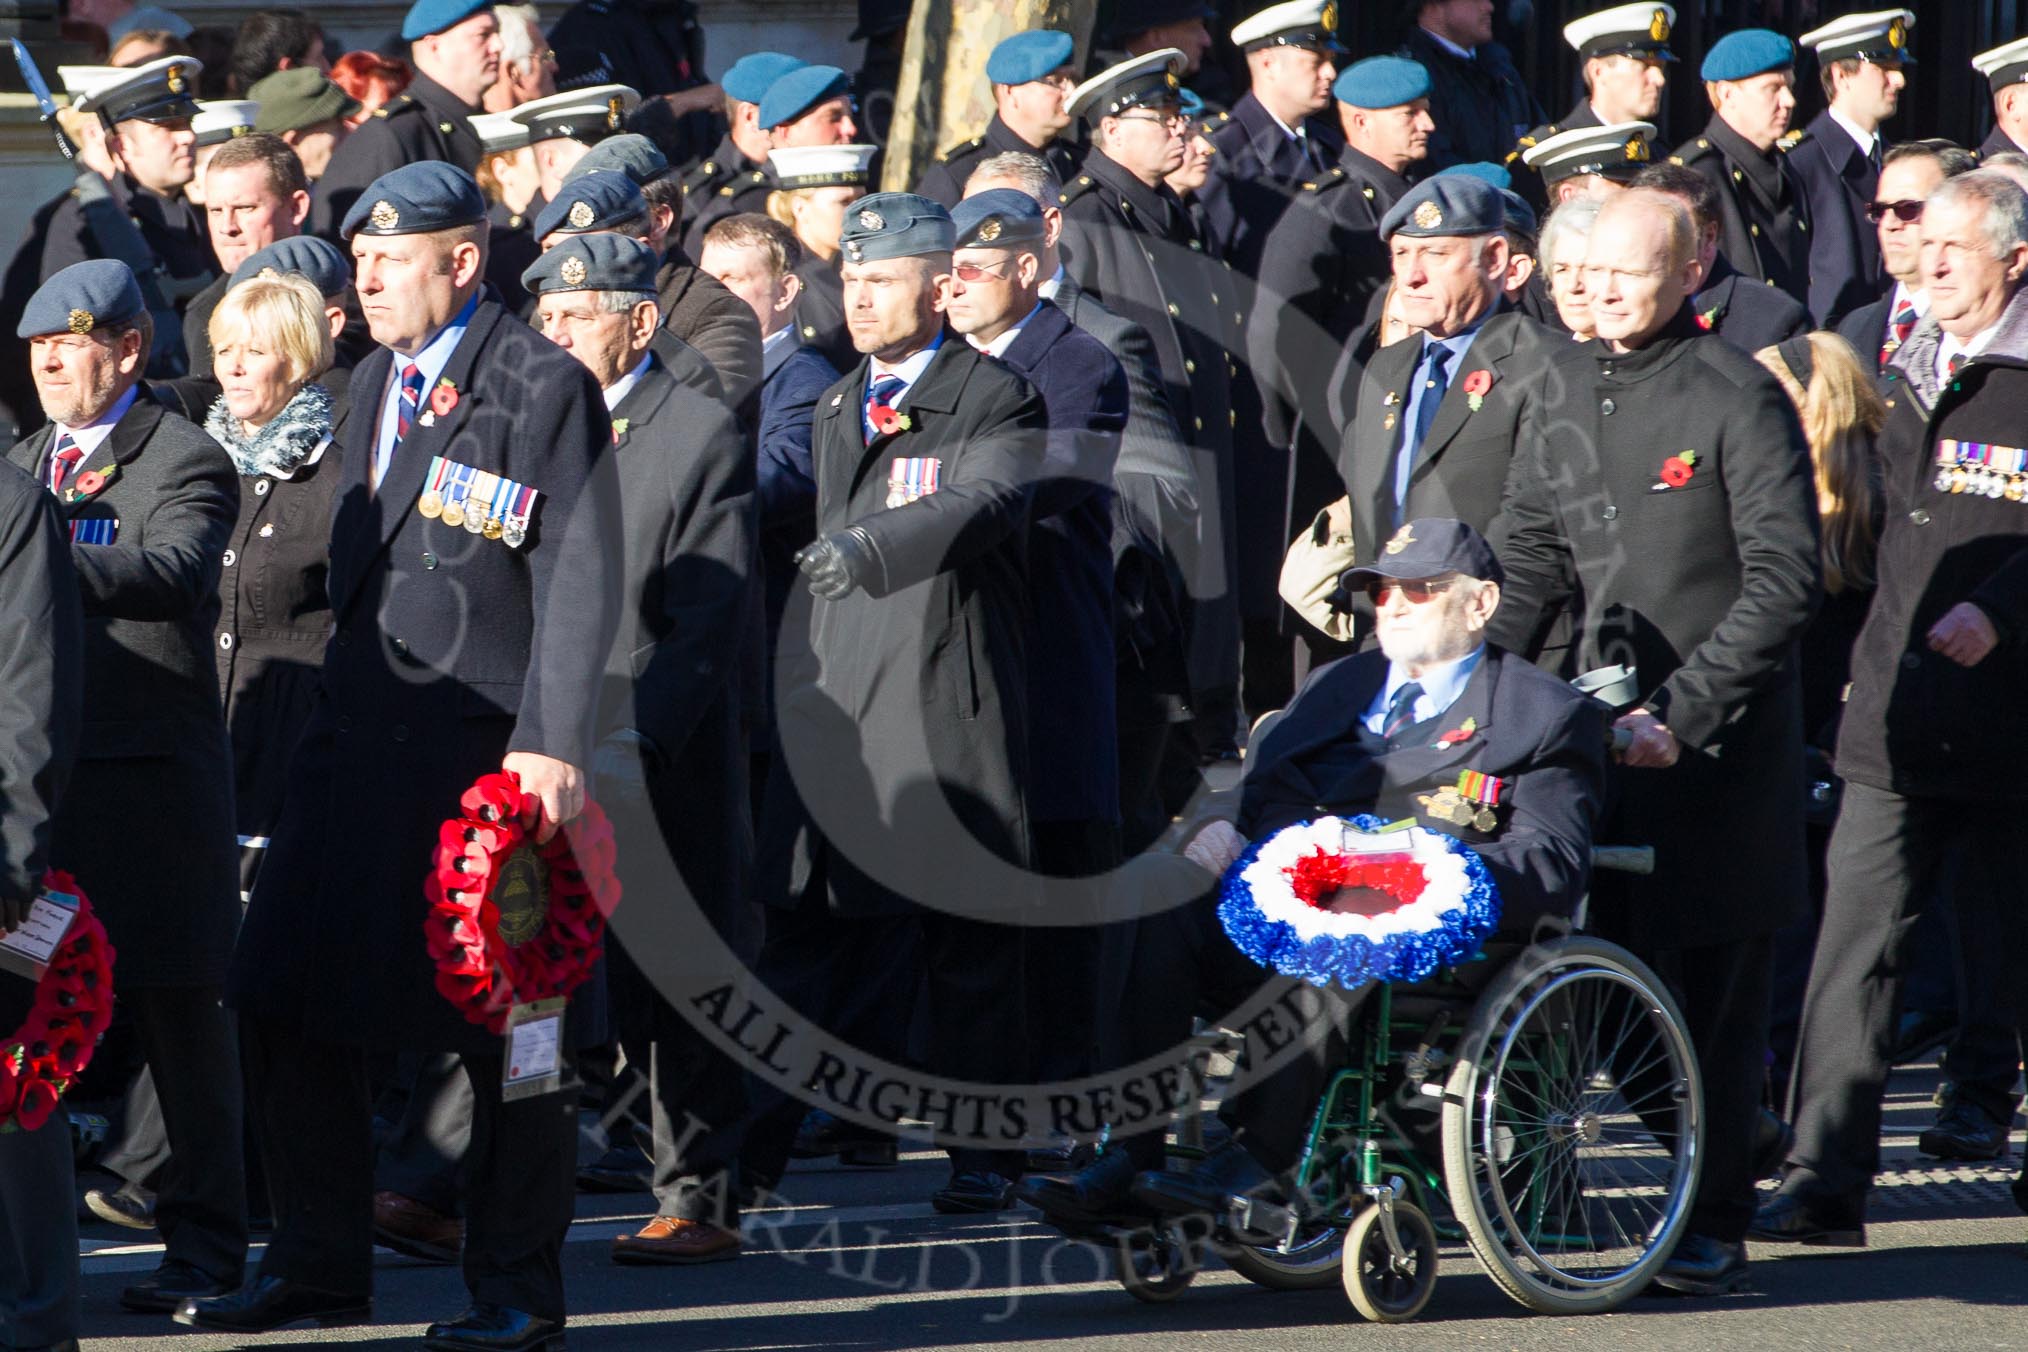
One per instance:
(1441,686)
(431,360)
(1462,53)
(909,369)
(91,436)
(624,386)
(1950,347)
(1919,299)
(1867,139)
(998,347)
(1293,133)
(777,338)
(1050,287)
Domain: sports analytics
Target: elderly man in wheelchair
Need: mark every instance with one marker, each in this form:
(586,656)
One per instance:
(1539,1096)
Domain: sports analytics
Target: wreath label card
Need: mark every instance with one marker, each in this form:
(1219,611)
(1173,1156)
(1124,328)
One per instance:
(534,1062)
(28,950)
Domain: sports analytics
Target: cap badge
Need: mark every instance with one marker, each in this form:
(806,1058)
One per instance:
(581,215)
(872,220)
(1637,147)
(572,271)
(81,321)
(1403,538)
(1328,20)
(1428,216)
(989,231)
(1174,83)
(240,130)
(384,216)
(175,74)
(1897,34)
(612,114)
(1658,27)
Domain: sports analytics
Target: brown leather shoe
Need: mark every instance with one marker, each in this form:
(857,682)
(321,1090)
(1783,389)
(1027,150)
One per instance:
(669,1239)
(407,1226)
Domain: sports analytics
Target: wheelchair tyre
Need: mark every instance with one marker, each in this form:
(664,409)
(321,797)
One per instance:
(1573,1127)
(1154,1266)
(1378,1288)
(1311,1263)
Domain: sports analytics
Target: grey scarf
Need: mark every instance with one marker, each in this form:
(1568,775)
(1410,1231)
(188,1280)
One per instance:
(284,443)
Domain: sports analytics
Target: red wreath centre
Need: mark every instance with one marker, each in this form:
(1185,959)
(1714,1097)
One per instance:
(73,1006)
(511,921)
(1363,882)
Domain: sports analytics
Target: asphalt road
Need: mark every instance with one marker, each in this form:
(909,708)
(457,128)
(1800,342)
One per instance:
(858,1260)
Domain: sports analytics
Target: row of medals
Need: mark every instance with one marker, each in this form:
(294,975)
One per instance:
(1448,805)
(432,505)
(1983,482)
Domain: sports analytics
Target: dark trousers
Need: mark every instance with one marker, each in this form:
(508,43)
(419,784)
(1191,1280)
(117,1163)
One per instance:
(1887,855)
(38,1237)
(1063,963)
(316,1105)
(423,1157)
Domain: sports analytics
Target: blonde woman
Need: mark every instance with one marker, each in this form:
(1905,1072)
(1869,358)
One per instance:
(819,183)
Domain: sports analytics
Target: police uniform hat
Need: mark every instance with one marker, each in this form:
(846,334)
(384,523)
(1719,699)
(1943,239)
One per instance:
(1137,82)
(1746,53)
(800,90)
(595,201)
(1138,16)
(1483,170)
(1879,36)
(593,263)
(1027,57)
(416,199)
(82,297)
(1310,24)
(164,90)
(629,153)
(997,218)
(822,166)
(298,97)
(1381,82)
(310,256)
(219,120)
(748,78)
(148,19)
(587,115)
(425,17)
(1624,30)
(1430,546)
(1618,152)
(499,133)
(2004,65)
(1446,204)
(896,225)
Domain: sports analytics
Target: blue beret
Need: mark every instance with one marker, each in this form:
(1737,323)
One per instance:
(416,198)
(1029,56)
(799,91)
(425,17)
(1484,170)
(148,19)
(1381,82)
(596,201)
(310,255)
(749,77)
(1520,217)
(1746,53)
(629,153)
(593,263)
(896,225)
(82,297)
(997,217)
(1448,204)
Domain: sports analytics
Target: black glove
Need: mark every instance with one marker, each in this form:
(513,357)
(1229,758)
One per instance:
(837,563)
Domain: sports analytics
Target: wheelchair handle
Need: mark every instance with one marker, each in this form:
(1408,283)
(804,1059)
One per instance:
(1618,740)
(1624,858)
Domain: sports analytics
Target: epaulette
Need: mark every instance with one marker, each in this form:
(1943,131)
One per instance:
(1793,139)
(1330,180)
(1077,188)
(752,178)
(962,148)
(1222,118)
(700,174)
(1697,150)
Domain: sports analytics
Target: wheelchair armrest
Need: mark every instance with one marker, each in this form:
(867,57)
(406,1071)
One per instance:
(1624,858)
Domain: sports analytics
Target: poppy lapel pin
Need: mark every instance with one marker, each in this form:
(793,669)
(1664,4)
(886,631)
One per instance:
(1476,385)
(1677,470)
(1463,732)
(91,483)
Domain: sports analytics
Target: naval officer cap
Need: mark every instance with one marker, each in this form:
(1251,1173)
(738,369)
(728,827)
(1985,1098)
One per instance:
(499,133)
(797,92)
(593,263)
(1617,152)
(1746,53)
(1447,204)
(997,219)
(310,256)
(164,90)
(298,97)
(1483,170)
(220,120)
(1150,80)
(1028,57)
(1640,30)
(629,153)
(748,78)
(896,225)
(1429,546)
(2004,65)
(414,200)
(82,297)
(425,17)
(1877,37)
(822,166)
(603,200)
(587,115)
(1309,24)
(1381,82)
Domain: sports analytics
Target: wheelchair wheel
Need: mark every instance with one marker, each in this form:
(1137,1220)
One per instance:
(1156,1265)
(1384,1289)
(1573,1126)
(1311,1262)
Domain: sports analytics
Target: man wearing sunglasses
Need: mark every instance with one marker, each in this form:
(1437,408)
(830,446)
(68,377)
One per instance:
(1908,175)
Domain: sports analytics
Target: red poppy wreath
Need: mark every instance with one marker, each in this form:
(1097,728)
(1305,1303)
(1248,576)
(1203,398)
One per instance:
(511,921)
(73,1006)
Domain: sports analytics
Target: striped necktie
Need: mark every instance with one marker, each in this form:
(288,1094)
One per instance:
(1401,709)
(62,461)
(411,401)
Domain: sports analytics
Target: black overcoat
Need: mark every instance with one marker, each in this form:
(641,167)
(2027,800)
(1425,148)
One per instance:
(41,662)
(423,122)
(1764,219)
(1838,180)
(944,181)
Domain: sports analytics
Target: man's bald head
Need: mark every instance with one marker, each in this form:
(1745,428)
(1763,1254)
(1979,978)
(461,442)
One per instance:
(1663,212)
(1640,265)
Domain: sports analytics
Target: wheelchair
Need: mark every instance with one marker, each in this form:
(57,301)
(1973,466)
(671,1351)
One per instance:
(1556,1128)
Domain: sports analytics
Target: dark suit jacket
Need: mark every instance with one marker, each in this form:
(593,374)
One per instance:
(787,484)
(166,880)
(41,687)
(1764,219)
(697,308)
(449,650)
(1257,171)
(1481,107)
(1838,180)
(1748,314)
(423,122)
(1866,330)
(1546,741)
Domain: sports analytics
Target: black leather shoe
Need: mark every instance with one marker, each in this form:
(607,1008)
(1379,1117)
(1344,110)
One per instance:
(495,1328)
(1963,1131)
(266,1303)
(1771,1143)
(1105,1187)
(1789,1218)
(130,1205)
(1702,1266)
(164,1290)
(972,1191)
(1227,1171)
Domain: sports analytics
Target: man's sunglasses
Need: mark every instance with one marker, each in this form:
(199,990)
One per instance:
(1907,212)
(974,272)
(1418,590)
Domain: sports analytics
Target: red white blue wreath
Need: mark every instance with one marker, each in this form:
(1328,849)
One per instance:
(1337,901)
